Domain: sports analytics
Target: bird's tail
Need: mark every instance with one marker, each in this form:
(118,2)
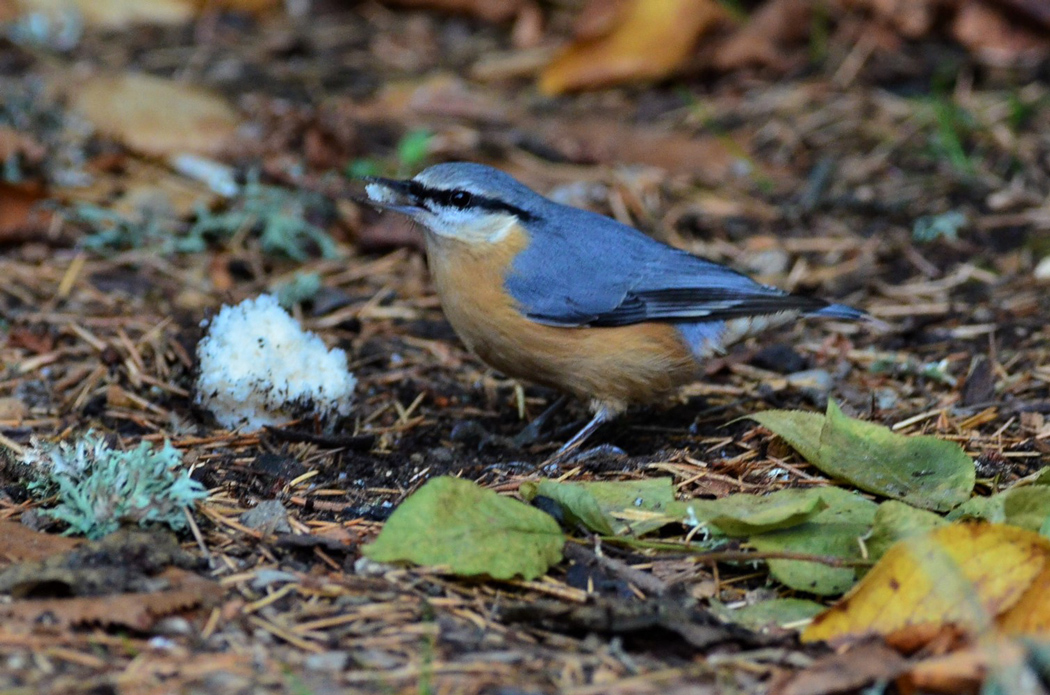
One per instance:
(841,311)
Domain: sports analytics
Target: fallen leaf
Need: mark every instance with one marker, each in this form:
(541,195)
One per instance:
(650,42)
(834,532)
(456,523)
(116,14)
(19,543)
(21,216)
(746,515)
(138,611)
(633,507)
(849,671)
(1025,506)
(965,575)
(156,116)
(764,39)
(487,10)
(921,470)
(778,612)
(991,36)
(577,503)
(895,521)
(598,18)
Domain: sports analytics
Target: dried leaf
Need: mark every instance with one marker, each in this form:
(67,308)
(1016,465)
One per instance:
(456,523)
(20,543)
(650,42)
(846,672)
(994,38)
(117,14)
(20,213)
(138,611)
(156,116)
(962,574)
(487,10)
(775,26)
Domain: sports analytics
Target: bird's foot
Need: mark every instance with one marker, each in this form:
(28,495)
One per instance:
(533,432)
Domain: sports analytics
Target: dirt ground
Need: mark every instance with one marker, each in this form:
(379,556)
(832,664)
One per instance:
(911,183)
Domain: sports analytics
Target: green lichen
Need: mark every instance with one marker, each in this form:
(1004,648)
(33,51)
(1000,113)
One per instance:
(98,488)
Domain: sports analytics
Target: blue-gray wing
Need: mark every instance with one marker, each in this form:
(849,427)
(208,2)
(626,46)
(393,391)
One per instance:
(593,271)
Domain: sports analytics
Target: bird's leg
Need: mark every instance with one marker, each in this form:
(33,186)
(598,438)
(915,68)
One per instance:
(603,415)
(532,432)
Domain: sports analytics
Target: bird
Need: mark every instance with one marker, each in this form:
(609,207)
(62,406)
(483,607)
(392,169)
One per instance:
(574,300)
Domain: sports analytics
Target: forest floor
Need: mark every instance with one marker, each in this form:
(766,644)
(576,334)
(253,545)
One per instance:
(874,180)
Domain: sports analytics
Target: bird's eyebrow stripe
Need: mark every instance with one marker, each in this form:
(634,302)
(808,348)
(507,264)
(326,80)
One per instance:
(422,192)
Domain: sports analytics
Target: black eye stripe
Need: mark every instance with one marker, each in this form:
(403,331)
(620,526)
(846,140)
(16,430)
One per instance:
(461,199)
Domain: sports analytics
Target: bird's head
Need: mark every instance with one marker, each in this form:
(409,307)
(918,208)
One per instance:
(467,202)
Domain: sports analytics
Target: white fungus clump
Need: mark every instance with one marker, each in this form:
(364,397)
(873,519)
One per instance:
(259,367)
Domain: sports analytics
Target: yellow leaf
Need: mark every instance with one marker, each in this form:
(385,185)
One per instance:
(966,575)
(157,116)
(651,40)
(116,14)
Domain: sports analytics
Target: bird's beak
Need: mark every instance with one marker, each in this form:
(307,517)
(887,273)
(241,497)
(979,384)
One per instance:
(392,194)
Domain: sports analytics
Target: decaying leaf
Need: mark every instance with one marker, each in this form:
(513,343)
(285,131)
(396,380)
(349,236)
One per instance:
(156,116)
(969,575)
(116,14)
(921,470)
(19,543)
(178,590)
(488,10)
(849,671)
(650,41)
(456,523)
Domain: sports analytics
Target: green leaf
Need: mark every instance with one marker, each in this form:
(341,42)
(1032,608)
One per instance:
(779,612)
(1027,506)
(833,532)
(576,502)
(798,428)
(456,523)
(746,515)
(896,521)
(923,471)
(634,507)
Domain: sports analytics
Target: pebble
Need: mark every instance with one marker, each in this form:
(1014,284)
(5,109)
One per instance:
(269,516)
(330,662)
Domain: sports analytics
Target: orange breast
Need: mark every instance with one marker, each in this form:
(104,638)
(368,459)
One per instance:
(616,365)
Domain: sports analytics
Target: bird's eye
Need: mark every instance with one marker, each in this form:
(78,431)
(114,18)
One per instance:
(460,199)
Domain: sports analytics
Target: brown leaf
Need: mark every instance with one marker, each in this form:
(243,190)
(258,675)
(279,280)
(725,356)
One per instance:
(763,41)
(488,10)
(993,38)
(117,14)
(19,543)
(912,18)
(650,41)
(21,216)
(138,611)
(156,116)
(598,18)
(861,666)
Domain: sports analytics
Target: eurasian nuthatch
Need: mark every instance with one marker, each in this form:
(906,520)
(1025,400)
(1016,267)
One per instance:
(574,300)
